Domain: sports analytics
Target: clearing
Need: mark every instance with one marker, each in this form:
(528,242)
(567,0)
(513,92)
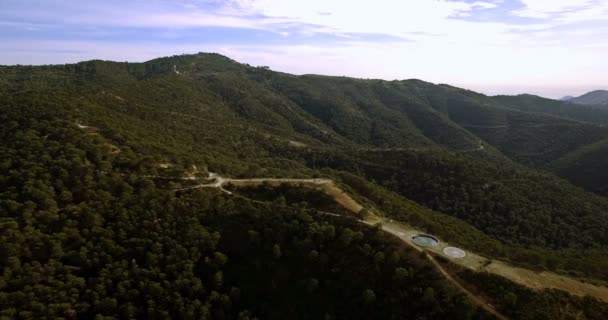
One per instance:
(531,279)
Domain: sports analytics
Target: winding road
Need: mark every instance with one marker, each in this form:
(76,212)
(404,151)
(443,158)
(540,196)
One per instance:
(472,261)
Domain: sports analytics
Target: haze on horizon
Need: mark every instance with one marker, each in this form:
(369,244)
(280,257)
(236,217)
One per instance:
(550,48)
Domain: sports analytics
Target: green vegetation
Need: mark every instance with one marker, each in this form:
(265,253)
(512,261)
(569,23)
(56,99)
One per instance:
(597,98)
(564,109)
(522,303)
(585,167)
(84,233)
(541,221)
(287,195)
(80,240)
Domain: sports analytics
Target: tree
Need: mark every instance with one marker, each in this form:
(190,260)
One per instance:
(276,251)
(428,297)
(369,296)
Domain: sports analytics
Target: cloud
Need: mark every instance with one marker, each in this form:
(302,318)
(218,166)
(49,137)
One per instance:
(393,17)
(547,8)
(458,20)
(564,11)
(389,17)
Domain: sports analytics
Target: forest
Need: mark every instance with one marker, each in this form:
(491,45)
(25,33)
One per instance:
(77,243)
(88,232)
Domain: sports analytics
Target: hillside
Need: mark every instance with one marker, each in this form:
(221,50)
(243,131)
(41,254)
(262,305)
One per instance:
(598,98)
(83,141)
(562,109)
(85,234)
(585,167)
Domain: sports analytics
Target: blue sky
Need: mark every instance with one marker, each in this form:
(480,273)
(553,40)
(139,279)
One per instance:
(546,47)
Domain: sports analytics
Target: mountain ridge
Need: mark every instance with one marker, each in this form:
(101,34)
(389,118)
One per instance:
(380,113)
(468,167)
(597,98)
(84,142)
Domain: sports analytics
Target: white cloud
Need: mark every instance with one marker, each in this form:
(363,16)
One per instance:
(393,17)
(388,17)
(545,8)
(485,5)
(420,20)
(562,11)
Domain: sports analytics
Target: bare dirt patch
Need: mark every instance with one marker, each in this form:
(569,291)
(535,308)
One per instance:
(525,277)
(544,280)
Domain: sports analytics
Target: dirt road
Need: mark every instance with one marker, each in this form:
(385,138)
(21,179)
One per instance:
(524,277)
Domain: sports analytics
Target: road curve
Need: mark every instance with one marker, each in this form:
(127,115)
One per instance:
(524,277)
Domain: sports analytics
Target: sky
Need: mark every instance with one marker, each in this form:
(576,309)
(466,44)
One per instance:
(546,47)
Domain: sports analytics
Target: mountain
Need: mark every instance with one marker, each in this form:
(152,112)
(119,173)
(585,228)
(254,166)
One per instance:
(584,167)
(103,213)
(594,98)
(562,109)
(581,164)
(566,98)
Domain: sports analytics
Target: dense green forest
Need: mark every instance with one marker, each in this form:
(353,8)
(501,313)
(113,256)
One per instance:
(562,109)
(85,232)
(584,167)
(78,243)
(519,302)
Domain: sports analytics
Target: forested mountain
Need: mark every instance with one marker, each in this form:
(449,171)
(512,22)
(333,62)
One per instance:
(563,109)
(87,231)
(598,98)
(581,164)
(85,235)
(585,167)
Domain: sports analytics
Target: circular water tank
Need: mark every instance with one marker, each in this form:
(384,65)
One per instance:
(425,240)
(454,252)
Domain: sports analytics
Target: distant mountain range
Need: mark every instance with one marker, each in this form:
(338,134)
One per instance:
(593,98)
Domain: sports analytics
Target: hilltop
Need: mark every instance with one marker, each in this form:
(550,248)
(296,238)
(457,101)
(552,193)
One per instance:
(598,98)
